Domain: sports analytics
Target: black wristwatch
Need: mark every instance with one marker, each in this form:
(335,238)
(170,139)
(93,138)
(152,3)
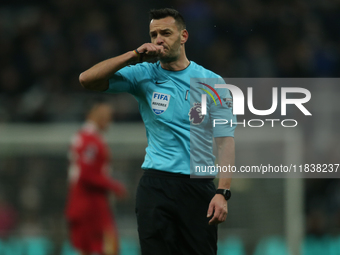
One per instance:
(225,192)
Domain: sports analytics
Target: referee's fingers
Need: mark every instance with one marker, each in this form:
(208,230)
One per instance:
(222,216)
(210,210)
(215,219)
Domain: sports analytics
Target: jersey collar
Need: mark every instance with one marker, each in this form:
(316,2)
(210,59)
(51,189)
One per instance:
(90,127)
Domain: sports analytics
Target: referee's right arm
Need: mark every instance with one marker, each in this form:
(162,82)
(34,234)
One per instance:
(97,77)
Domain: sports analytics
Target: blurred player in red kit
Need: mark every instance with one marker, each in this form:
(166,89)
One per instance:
(91,224)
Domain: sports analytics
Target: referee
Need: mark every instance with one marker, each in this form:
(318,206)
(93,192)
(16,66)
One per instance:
(176,214)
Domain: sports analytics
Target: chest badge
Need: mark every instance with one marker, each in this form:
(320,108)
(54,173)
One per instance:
(159,102)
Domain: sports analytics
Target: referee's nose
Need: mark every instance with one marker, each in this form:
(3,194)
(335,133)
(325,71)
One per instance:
(159,40)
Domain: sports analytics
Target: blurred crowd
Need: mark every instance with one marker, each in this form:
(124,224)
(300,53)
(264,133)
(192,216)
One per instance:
(45,45)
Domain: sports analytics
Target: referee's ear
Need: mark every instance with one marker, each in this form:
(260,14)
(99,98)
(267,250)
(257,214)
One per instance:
(184,36)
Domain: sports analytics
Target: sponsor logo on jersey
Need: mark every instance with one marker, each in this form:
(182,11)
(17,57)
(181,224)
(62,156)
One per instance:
(159,102)
(90,153)
(195,114)
(160,82)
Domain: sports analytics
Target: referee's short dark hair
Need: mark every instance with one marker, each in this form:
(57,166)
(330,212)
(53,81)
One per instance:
(168,12)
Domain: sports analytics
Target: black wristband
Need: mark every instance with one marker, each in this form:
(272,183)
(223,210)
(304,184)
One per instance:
(224,192)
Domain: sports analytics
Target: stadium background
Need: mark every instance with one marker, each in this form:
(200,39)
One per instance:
(45,45)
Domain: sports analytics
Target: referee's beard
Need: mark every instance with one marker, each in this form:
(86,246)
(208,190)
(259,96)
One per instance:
(173,53)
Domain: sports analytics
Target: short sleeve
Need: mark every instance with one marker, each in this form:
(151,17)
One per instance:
(224,113)
(127,79)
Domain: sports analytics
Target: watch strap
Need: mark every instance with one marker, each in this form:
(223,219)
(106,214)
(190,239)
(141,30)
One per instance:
(224,192)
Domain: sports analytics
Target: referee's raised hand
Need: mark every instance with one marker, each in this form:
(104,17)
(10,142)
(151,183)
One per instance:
(218,207)
(150,50)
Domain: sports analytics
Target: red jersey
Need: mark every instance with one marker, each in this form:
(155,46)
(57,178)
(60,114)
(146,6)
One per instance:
(88,176)
(92,227)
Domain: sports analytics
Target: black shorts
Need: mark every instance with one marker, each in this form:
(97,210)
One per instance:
(171,214)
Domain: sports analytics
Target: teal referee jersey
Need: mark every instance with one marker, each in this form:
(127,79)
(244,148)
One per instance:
(179,136)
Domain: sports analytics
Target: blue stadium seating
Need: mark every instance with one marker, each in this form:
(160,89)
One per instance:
(274,245)
(37,246)
(335,246)
(129,246)
(67,249)
(313,245)
(231,246)
(11,246)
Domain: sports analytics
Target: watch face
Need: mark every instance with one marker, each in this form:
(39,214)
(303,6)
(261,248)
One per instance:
(227,194)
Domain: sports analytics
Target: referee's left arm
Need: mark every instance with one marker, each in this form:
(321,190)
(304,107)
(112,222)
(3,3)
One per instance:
(218,206)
